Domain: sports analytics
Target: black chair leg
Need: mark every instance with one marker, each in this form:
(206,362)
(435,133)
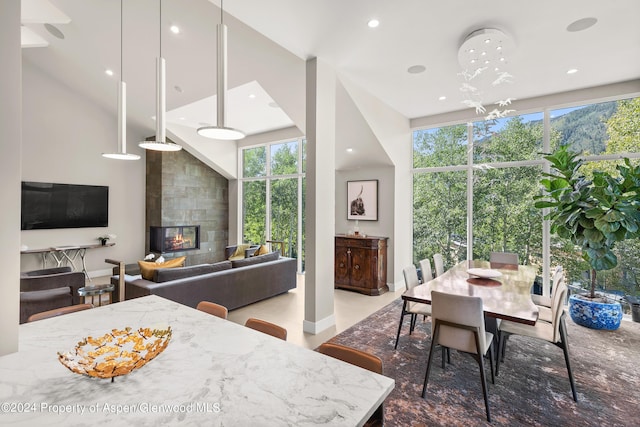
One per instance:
(404,306)
(501,345)
(414,317)
(565,349)
(434,338)
(480,359)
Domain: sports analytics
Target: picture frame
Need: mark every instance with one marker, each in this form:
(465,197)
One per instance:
(362,200)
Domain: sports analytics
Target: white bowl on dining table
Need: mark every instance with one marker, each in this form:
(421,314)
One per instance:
(484,273)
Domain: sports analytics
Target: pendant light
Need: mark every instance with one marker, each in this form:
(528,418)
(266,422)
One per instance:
(160,143)
(220,131)
(122,112)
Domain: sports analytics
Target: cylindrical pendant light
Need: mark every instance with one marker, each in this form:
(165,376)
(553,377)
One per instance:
(220,131)
(160,143)
(122,112)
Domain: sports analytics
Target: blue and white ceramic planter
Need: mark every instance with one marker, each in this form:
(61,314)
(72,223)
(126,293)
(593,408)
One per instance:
(595,315)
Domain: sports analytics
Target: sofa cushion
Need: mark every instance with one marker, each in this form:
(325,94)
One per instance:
(167,274)
(255,259)
(147,267)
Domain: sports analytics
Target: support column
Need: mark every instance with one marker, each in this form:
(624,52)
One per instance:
(10,173)
(320,197)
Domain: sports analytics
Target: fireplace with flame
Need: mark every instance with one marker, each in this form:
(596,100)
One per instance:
(176,238)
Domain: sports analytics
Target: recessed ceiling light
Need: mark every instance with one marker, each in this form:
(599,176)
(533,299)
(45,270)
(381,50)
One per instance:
(349,150)
(487,41)
(181,118)
(252,96)
(175,29)
(108,72)
(581,24)
(442,98)
(416,69)
(572,71)
(373,23)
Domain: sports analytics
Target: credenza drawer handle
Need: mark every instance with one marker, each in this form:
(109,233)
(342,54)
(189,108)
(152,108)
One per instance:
(357,267)
(341,265)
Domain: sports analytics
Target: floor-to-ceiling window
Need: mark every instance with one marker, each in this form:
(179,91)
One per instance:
(473,185)
(272,186)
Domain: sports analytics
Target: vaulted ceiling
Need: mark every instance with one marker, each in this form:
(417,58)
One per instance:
(269,41)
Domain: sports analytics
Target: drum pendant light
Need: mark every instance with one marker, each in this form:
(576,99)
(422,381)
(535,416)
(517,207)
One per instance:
(220,131)
(122,112)
(160,143)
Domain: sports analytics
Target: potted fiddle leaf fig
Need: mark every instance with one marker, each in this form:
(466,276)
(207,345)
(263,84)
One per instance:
(594,214)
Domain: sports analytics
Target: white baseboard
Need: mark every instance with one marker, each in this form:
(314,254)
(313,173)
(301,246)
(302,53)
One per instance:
(396,286)
(319,326)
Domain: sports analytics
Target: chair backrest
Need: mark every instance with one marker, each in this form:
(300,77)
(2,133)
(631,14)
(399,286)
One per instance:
(438,264)
(267,328)
(504,258)
(58,312)
(557,303)
(425,268)
(410,276)
(213,308)
(353,356)
(462,310)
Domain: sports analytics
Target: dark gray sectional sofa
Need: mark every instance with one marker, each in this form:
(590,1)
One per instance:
(233,284)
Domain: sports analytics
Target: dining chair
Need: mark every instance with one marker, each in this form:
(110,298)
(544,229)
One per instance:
(410,307)
(544,303)
(504,258)
(267,328)
(362,359)
(554,332)
(425,268)
(438,264)
(458,323)
(213,308)
(58,312)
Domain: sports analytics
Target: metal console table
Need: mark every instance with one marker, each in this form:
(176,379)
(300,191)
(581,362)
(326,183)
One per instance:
(66,255)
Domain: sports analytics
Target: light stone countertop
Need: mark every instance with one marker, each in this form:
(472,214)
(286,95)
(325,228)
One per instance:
(213,372)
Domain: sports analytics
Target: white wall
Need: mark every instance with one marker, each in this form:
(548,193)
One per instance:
(64,136)
(384,226)
(10,118)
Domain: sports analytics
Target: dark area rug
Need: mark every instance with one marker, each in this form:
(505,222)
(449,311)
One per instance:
(532,388)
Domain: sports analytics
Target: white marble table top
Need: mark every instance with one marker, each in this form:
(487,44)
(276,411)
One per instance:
(213,372)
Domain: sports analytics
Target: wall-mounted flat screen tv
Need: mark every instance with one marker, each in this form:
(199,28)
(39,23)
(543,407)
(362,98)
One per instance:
(48,205)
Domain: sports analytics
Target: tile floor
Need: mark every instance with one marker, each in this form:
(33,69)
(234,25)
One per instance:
(287,310)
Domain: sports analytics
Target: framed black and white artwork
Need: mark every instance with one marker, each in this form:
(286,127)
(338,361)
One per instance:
(362,200)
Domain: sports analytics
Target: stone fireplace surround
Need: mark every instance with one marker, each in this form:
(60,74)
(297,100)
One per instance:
(181,190)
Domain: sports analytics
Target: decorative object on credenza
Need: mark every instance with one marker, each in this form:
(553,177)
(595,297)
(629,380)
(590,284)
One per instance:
(116,353)
(362,200)
(104,238)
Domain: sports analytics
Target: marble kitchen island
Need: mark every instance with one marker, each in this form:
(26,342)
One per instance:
(213,372)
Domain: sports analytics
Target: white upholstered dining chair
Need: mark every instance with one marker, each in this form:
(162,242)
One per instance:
(425,268)
(409,307)
(544,303)
(438,264)
(554,332)
(504,258)
(458,323)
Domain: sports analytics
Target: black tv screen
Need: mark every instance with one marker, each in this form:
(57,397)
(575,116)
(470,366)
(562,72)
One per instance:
(47,205)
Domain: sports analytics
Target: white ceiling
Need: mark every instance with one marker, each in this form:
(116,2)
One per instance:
(411,32)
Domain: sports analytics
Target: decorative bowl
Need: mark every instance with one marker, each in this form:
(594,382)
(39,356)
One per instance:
(484,273)
(116,353)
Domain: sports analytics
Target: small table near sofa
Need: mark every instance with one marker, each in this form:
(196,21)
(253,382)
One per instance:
(213,372)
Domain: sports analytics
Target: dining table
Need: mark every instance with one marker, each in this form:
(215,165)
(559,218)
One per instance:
(505,289)
(212,372)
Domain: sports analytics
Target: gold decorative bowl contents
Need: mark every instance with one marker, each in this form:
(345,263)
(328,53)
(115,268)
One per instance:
(116,353)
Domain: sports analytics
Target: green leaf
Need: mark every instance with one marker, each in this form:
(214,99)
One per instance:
(593,234)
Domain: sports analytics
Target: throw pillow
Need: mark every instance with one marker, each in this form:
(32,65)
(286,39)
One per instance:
(239,252)
(263,250)
(147,267)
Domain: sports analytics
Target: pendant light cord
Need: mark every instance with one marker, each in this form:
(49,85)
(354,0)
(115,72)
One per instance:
(121,37)
(160,28)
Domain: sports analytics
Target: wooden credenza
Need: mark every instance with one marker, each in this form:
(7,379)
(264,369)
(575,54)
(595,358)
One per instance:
(361,264)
